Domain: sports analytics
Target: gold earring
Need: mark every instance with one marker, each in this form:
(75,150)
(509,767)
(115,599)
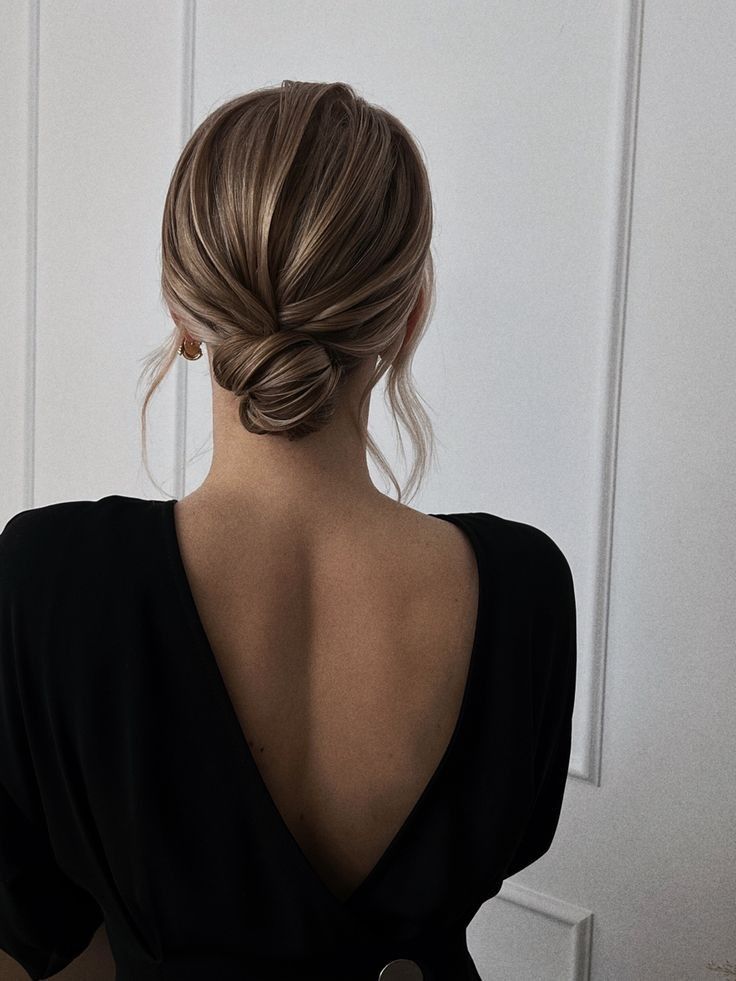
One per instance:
(190,349)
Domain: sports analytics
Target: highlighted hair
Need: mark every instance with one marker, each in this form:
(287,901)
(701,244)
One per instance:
(296,240)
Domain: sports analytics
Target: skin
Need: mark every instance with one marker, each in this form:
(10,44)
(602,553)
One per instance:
(363,598)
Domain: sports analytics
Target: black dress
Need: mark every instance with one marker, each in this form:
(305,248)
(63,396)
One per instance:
(128,792)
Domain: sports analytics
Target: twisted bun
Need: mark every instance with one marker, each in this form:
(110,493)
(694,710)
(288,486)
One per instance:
(296,244)
(286,381)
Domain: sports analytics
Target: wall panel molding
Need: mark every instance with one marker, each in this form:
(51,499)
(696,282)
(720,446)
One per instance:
(587,751)
(577,920)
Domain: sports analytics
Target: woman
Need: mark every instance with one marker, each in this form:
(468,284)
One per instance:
(286,727)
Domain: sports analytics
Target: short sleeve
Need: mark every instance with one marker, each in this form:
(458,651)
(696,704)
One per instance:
(46,919)
(554,654)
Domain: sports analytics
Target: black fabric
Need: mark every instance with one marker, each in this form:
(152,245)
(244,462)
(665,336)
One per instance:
(128,793)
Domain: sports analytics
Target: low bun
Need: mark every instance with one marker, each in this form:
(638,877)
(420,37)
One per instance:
(286,381)
(296,244)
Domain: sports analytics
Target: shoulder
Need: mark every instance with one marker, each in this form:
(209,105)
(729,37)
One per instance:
(516,543)
(62,567)
(537,545)
(31,537)
(41,544)
(528,565)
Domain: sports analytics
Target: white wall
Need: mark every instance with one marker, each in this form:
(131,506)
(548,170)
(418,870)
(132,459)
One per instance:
(580,369)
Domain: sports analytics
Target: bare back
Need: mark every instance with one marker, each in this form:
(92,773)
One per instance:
(345,656)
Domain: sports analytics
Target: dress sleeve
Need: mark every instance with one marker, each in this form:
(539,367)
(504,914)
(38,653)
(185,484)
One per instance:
(554,654)
(46,919)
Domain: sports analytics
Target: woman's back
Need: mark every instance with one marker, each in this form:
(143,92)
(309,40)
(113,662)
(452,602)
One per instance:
(342,785)
(344,649)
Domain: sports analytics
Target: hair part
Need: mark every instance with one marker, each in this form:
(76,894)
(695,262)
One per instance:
(296,241)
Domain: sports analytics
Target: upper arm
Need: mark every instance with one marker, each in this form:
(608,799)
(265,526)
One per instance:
(554,666)
(46,919)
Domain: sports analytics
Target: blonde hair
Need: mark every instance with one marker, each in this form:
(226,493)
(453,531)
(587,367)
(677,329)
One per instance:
(296,241)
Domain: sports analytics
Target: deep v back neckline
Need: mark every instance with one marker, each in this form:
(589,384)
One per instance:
(243,755)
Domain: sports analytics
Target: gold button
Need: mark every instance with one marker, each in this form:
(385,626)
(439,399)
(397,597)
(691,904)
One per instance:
(401,970)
